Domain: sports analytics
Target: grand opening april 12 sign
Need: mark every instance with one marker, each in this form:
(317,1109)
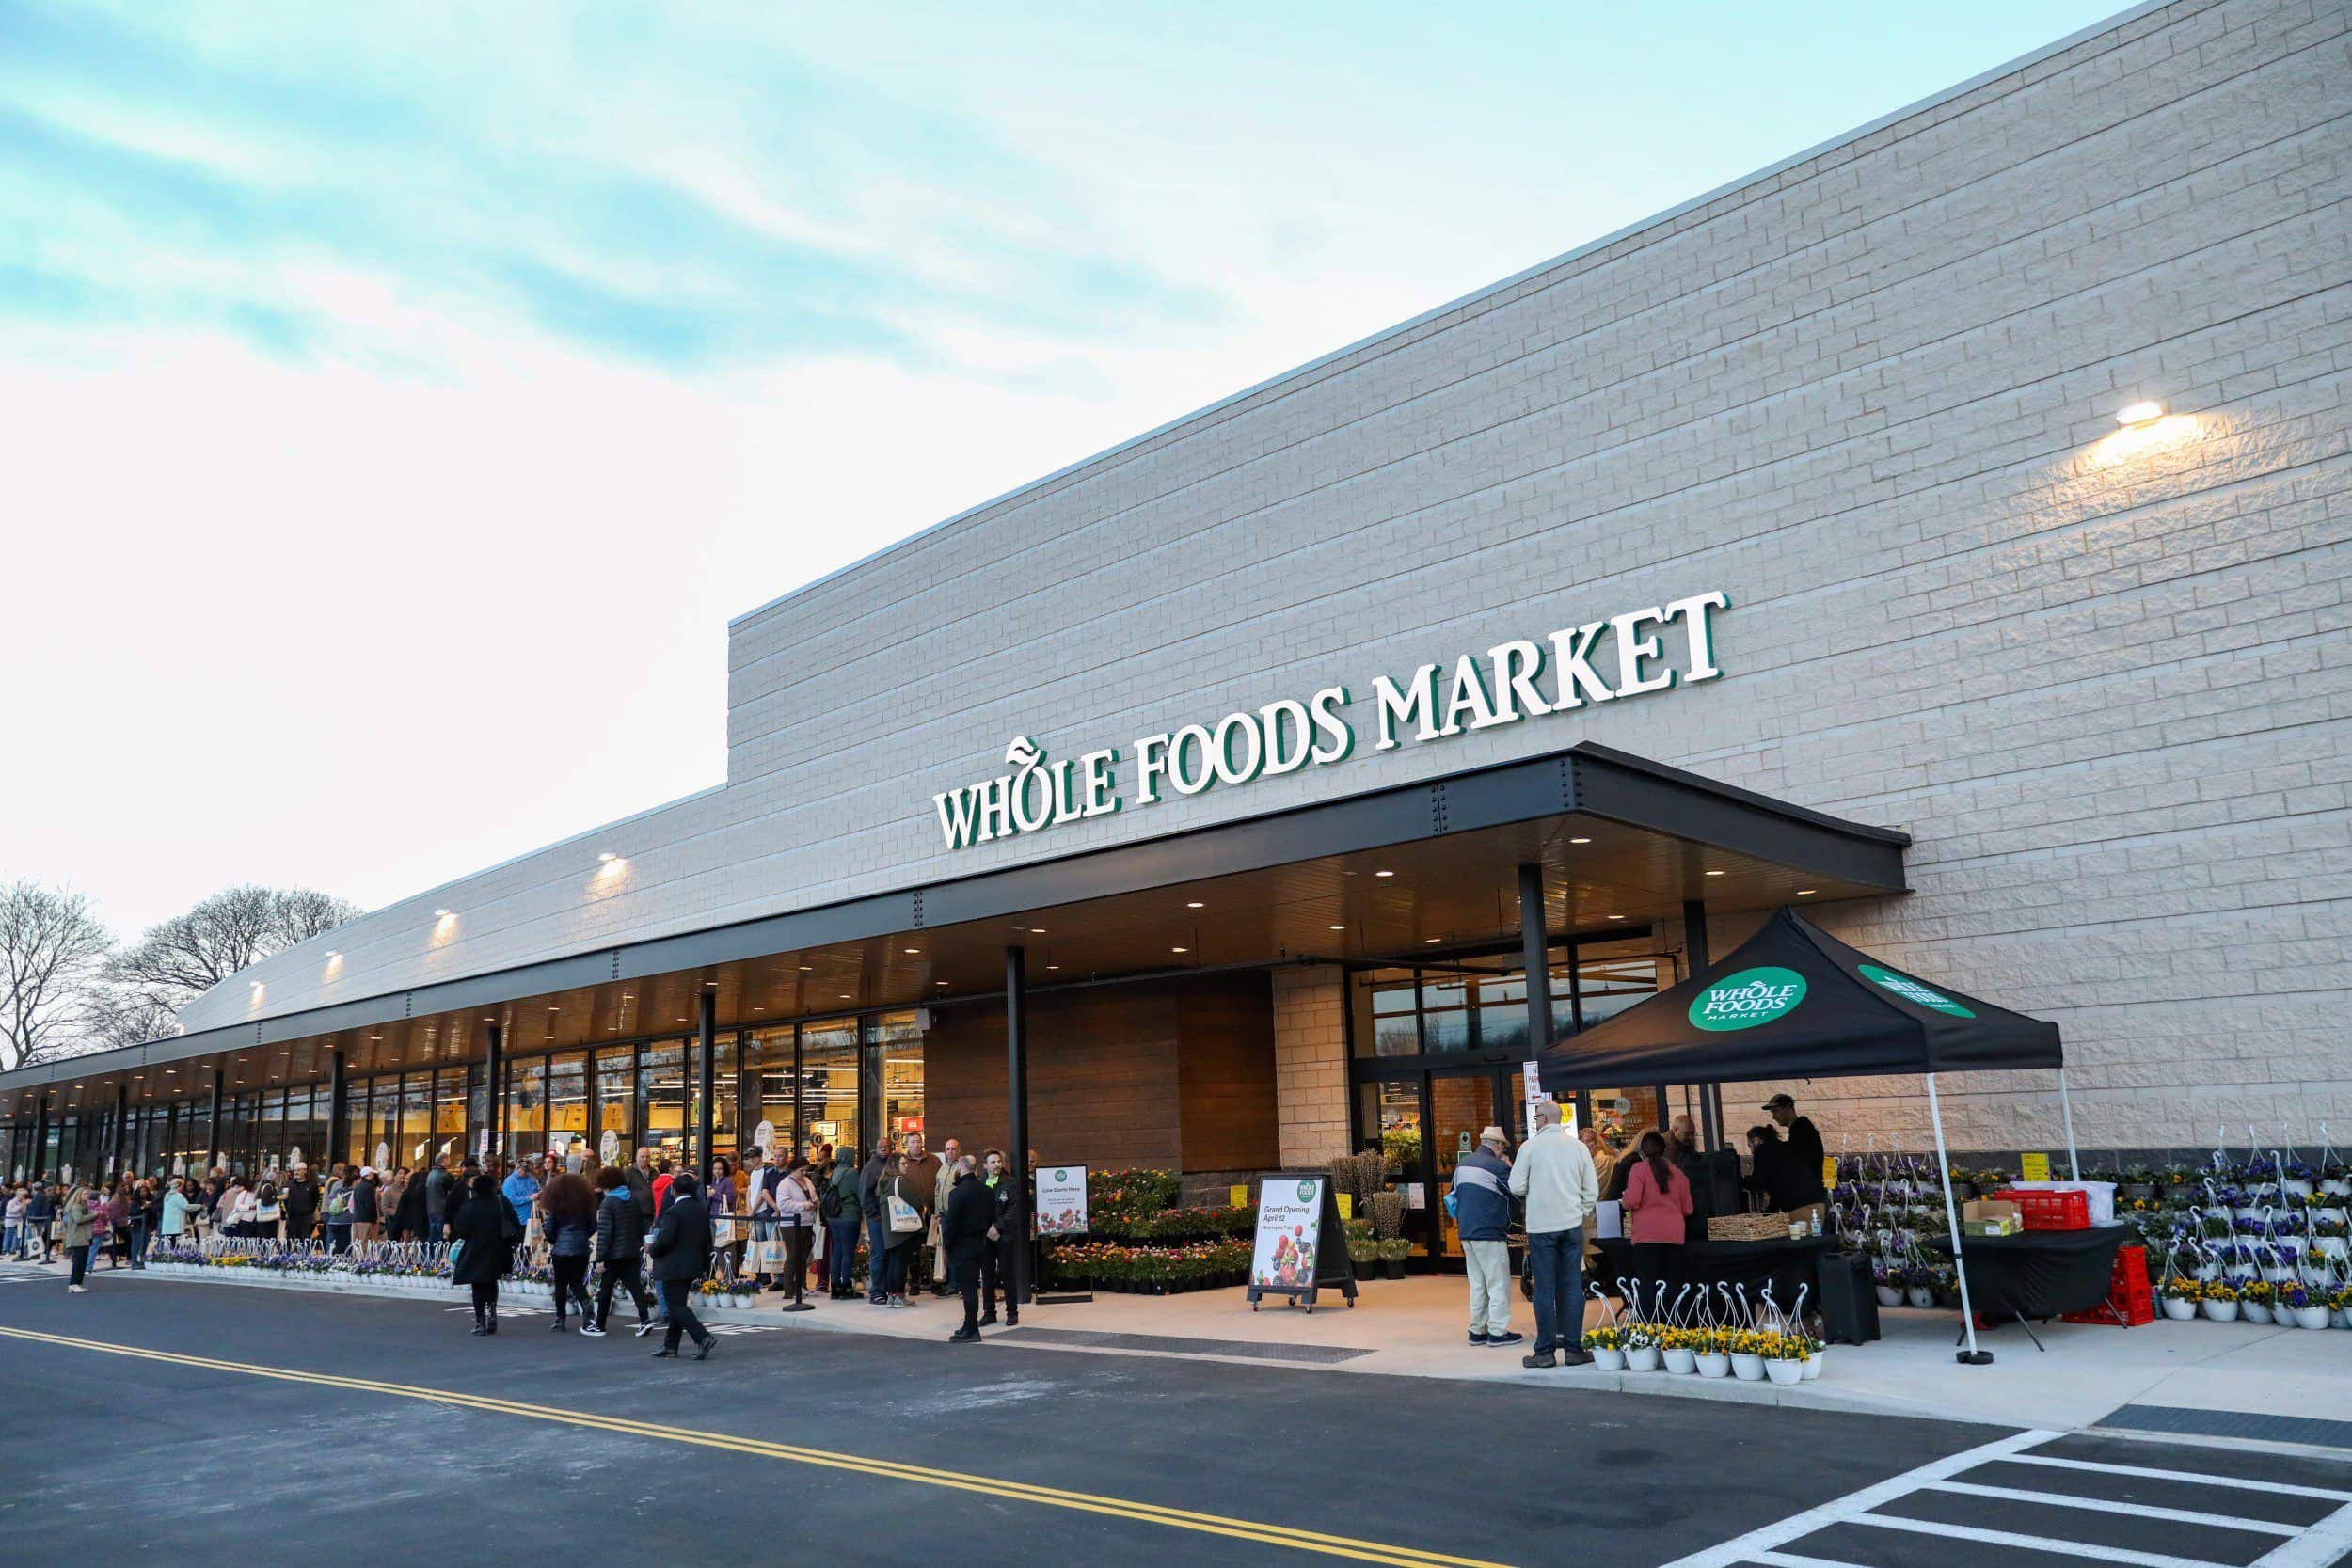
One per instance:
(1290,1232)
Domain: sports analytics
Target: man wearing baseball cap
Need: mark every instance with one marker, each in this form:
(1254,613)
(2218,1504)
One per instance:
(1482,1218)
(1800,1149)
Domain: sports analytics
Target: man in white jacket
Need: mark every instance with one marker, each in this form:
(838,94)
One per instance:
(1555,1173)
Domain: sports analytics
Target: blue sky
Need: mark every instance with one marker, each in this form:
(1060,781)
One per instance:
(318,324)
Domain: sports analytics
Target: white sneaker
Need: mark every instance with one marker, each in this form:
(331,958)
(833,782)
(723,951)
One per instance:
(77,1290)
(593,1332)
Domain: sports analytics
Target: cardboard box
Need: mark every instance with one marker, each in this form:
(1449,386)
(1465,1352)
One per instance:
(1989,1217)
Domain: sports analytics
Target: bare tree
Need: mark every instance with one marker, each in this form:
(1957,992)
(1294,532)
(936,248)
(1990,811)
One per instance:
(51,949)
(124,1015)
(186,956)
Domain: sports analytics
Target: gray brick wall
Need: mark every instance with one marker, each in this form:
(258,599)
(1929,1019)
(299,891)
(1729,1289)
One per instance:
(1871,394)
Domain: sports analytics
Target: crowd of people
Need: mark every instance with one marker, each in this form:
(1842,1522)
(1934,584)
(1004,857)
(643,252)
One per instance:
(790,1223)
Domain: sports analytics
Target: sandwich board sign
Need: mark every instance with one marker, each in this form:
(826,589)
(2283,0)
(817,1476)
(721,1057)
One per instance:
(1061,1200)
(1301,1246)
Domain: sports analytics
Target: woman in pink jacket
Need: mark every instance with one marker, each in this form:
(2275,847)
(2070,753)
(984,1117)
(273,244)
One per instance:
(1657,1201)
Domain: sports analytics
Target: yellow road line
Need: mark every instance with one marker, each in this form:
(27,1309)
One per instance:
(1122,1508)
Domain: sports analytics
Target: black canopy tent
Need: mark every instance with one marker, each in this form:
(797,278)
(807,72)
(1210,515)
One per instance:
(1794,1002)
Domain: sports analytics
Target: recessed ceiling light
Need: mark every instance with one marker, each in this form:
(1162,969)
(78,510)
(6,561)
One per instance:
(912,952)
(1617,917)
(1180,949)
(939,982)
(1433,940)
(1052,966)
(1714,873)
(1806,892)
(1384,873)
(808,969)
(1580,841)
(845,996)
(1339,927)
(1195,904)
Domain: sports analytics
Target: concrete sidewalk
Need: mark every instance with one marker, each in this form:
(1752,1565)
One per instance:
(2239,1375)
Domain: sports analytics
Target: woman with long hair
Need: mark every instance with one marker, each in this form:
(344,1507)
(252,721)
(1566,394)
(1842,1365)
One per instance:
(567,1219)
(487,1234)
(1656,1201)
(77,1218)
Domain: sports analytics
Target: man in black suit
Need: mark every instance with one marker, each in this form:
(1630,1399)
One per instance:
(680,1250)
(965,1231)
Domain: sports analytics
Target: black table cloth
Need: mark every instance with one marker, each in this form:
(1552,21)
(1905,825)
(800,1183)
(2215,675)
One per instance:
(1785,1265)
(2039,1274)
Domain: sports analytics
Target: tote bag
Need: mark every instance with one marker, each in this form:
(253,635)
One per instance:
(904,1216)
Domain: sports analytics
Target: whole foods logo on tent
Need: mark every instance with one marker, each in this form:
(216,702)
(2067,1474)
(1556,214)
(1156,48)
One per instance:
(1306,1192)
(1745,1000)
(1912,990)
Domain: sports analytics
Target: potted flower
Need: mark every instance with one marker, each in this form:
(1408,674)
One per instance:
(1608,1348)
(2180,1297)
(1888,1280)
(1640,1348)
(2300,1306)
(2219,1300)
(1919,1285)
(2254,1297)
(2138,1184)
(2342,1304)
(1395,1250)
(1784,1359)
(1816,1354)
(1679,1348)
(1747,1354)
(1714,1359)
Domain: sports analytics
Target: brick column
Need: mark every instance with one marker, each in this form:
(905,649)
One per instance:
(1311,1063)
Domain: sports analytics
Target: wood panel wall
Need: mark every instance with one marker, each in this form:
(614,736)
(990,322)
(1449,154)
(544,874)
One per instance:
(1169,1074)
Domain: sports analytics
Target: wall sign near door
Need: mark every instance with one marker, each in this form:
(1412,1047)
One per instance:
(1573,667)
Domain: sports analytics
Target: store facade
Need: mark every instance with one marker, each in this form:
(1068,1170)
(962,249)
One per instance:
(1942,532)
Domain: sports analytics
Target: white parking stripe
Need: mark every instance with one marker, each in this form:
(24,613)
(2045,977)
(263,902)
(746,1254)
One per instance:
(2100,1505)
(2030,1542)
(2317,1547)
(1746,1547)
(1790,1560)
(2325,1494)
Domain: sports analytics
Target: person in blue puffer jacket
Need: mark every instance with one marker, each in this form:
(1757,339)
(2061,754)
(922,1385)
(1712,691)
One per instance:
(1482,1218)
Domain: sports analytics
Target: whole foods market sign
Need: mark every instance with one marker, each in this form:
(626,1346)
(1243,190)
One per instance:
(1585,666)
(1745,1000)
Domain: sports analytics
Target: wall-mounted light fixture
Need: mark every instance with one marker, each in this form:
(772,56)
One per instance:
(2146,411)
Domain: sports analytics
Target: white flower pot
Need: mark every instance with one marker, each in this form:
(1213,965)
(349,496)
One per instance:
(1813,1366)
(2331,1246)
(2297,1187)
(2179,1310)
(1748,1369)
(1679,1359)
(1608,1359)
(2339,1187)
(1889,1296)
(2279,1276)
(1641,1358)
(1785,1372)
(1919,1296)
(2254,1311)
(2208,1270)
(1715,1364)
(2310,1317)
(2221,1311)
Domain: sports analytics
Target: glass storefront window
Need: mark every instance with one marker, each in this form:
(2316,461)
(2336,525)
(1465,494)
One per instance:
(1390,1022)
(616,1103)
(355,1132)
(768,1058)
(568,1100)
(527,1106)
(899,1045)
(829,1100)
(448,1116)
(662,1092)
(411,1148)
(269,1144)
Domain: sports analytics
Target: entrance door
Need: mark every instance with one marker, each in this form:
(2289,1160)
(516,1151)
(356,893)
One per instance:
(1463,1102)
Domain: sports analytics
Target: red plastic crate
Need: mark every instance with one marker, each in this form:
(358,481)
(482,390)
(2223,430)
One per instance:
(2119,1311)
(2130,1271)
(2041,1211)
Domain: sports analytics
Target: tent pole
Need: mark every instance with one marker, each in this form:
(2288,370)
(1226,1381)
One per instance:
(1972,1357)
(2066,1109)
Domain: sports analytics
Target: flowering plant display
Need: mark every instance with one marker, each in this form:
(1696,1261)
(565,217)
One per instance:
(2216,1289)
(2181,1287)
(1605,1337)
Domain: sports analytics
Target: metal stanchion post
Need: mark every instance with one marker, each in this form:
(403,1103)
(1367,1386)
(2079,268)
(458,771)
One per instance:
(798,1250)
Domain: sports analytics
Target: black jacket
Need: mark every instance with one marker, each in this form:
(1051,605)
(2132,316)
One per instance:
(1011,1230)
(302,1206)
(487,1226)
(620,1226)
(1803,1153)
(869,1188)
(964,1228)
(409,1219)
(680,1246)
(640,1190)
